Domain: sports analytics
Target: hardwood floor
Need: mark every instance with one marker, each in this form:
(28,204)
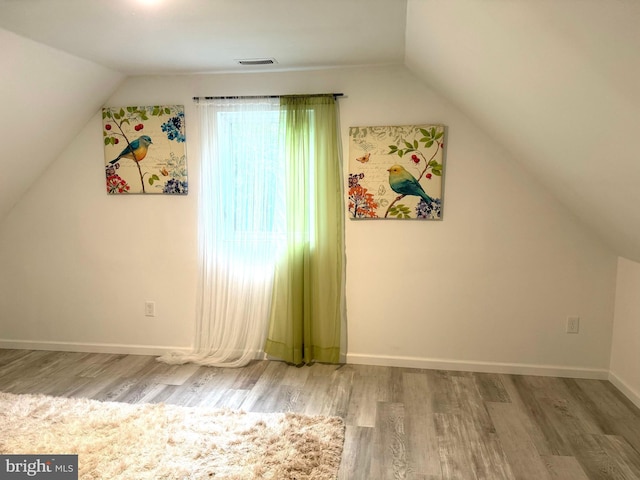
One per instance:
(401,423)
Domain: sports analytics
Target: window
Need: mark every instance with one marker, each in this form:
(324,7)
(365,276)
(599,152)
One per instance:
(271,243)
(251,157)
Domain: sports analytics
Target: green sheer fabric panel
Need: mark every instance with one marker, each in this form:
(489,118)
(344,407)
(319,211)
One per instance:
(308,293)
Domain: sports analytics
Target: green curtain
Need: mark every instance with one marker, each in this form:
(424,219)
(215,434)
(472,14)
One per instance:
(308,293)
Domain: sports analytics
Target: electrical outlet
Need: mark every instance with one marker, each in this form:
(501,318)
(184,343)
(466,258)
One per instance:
(150,309)
(573,324)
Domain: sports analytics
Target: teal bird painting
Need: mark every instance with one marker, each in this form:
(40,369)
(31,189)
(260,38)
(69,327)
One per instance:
(404,183)
(136,150)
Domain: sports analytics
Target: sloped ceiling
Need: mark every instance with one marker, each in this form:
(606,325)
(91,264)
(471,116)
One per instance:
(555,82)
(47,96)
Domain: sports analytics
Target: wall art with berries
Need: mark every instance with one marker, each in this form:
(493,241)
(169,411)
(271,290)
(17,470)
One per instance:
(396,172)
(144,150)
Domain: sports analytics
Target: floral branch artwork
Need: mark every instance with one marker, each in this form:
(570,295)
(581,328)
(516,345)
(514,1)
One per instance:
(144,149)
(361,202)
(396,172)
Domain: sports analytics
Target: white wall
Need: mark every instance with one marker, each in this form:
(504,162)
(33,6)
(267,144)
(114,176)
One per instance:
(625,349)
(489,287)
(76,264)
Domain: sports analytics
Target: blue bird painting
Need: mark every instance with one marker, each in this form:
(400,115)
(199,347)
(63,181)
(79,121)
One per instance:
(144,149)
(404,183)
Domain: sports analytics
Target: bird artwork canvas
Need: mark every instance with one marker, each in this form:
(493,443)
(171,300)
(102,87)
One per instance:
(144,149)
(396,172)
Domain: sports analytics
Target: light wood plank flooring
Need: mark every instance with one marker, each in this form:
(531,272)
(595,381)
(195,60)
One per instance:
(401,423)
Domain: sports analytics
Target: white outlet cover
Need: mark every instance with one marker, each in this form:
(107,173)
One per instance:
(573,324)
(150,309)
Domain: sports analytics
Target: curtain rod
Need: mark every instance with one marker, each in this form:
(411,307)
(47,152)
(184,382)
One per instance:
(335,95)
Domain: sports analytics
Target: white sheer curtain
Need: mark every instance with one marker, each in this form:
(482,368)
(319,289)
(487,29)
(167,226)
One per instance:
(241,224)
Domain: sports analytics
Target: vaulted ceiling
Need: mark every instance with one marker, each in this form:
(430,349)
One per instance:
(554,82)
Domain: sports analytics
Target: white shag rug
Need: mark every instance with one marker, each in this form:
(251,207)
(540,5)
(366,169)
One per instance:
(159,441)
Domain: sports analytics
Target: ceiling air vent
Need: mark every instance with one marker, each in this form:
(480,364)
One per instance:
(257,61)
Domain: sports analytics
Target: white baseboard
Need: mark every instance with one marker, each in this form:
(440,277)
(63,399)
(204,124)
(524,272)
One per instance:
(356,359)
(624,387)
(485,367)
(90,347)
